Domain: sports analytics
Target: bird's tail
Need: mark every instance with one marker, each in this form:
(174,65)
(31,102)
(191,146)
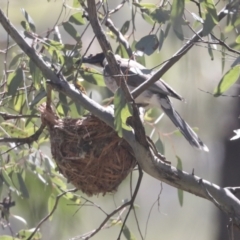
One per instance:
(185,129)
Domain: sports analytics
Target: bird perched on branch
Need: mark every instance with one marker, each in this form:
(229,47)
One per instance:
(157,95)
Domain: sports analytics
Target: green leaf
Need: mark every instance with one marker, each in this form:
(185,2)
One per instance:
(179,163)
(145,5)
(180,197)
(159,145)
(19,100)
(16,60)
(121,51)
(125,27)
(177,9)
(22,186)
(209,16)
(1,184)
(127,233)
(26,26)
(236,62)
(92,76)
(14,81)
(6,178)
(177,28)
(68,27)
(29,20)
(64,103)
(36,74)
(59,182)
(121,112)
(160,15)
(210,52)
(5,237)
(77,19)
(227,81)
(40,95)
(180,191)
(167,30)
(148,44)
(76,3)
(51,202)
(25,234)
(161,39)
(222,37)
(48,43)
(13,130)
(148,18)
(19,183)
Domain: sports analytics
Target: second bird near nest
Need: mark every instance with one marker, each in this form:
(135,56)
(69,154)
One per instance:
(157,95)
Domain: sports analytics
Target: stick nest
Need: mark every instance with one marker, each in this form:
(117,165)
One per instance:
(88,152)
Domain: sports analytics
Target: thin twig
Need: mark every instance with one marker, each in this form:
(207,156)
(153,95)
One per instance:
(7,116)
(149,214)
(129,203)
(51,213)
(140,172)
(135,214)
(27,140)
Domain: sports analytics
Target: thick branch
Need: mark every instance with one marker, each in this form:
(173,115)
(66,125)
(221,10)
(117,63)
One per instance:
(150,164)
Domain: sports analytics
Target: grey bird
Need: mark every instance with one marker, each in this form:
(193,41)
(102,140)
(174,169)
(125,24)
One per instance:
(157,95)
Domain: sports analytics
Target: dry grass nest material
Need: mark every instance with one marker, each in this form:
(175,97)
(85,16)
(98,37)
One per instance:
(88,152)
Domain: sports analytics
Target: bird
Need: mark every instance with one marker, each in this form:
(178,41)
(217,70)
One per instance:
(157,95)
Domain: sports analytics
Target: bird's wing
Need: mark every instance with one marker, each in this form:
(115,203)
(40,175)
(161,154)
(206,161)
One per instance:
(138,74)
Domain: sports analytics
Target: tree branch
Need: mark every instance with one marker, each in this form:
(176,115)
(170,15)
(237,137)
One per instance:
(145,157)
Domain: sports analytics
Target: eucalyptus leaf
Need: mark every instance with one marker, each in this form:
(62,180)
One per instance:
(70,29)
(77,19)
(227,81)
(122,111)
(159,145)
(209,16)
(13,130)
(36,74)
(148,44)
(29,20)
(180,191)
(16,60)
(125,27)
(51,202)
(14,81)
(5,237)
(161,39)
(145,5)
(92,76)
(127,233)
(25,234)
(160,15)
(177,9)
